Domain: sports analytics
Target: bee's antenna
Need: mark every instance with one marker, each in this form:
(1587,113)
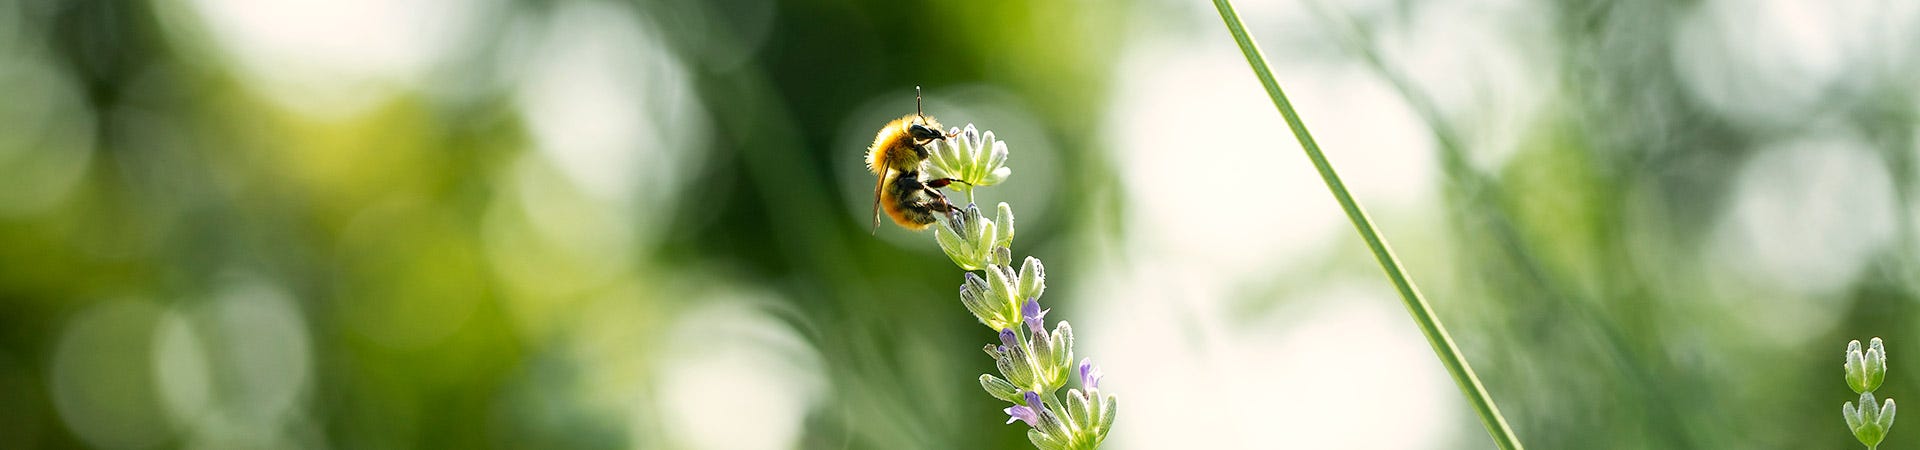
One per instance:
(916,102)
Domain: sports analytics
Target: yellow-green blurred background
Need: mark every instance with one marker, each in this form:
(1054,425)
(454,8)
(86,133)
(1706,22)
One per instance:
(376,224)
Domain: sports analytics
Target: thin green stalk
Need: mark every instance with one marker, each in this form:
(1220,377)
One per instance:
(1430,325)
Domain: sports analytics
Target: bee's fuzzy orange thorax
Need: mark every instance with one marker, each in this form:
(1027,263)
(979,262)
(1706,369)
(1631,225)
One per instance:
(893,148)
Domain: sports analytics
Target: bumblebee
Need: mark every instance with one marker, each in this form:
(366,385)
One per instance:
(896,154)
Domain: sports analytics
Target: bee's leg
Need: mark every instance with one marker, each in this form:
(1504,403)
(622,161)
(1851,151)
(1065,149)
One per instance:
(932,188)
(937,206)
(943,182)
(940,203)
(937,195)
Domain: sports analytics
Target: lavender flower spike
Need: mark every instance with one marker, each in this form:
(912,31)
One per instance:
(1035,364)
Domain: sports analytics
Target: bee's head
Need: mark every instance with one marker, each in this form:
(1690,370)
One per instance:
(923,131)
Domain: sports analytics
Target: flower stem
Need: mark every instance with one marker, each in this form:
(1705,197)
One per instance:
(1430,325)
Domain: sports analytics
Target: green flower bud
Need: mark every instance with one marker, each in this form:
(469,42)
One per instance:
(1033,278)
(986,299)
(1003,293)
(1868,423)
(1109,408)
(1016,363)
(1856,368)
(968,239)
(1004,217)
(1060,362)
(1886,416)
(1042,441)
(1080,410)
(1000,389)
(1876,364)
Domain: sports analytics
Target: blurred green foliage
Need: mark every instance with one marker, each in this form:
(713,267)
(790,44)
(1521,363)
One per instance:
(535,232)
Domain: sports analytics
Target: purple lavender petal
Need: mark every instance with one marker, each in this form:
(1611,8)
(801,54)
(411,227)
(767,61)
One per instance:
(1089,375)
(1034,316)
(1008,339)
(1033,399)
(1023,413)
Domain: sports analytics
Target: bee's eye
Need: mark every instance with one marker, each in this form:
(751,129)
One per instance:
(922,132)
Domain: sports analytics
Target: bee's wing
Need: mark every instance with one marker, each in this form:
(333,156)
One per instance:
(876,200)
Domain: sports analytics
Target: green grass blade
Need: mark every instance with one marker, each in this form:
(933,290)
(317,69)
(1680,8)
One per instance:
(1430,326)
